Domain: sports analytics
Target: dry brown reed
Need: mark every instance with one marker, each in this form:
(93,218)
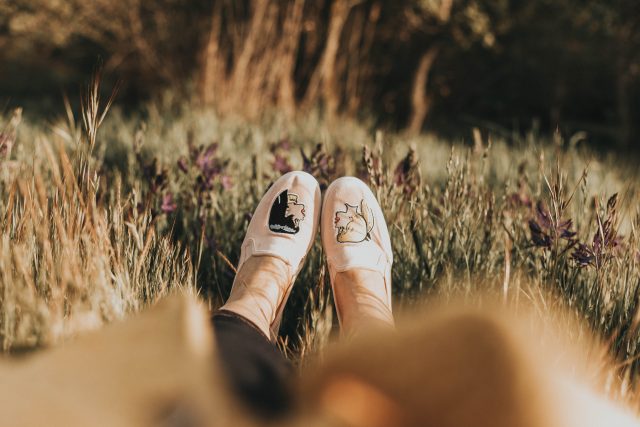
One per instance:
(68,260)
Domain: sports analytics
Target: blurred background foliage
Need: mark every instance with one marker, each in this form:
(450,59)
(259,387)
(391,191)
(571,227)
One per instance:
(439,65)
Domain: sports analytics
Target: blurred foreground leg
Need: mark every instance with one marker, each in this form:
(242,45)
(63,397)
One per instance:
(356,242)
(157,368)
(257,371)
(459,369)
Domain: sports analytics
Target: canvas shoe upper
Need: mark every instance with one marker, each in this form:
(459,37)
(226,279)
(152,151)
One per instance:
(355,235)
(285,222)
(283,226)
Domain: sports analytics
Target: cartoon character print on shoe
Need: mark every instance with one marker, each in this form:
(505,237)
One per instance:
(286,214)
(354,224)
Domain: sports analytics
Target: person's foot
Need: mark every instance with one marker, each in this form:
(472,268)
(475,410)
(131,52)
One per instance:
(280,234)
(358,250)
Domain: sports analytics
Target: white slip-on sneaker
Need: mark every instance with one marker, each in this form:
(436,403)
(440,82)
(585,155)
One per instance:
(356,243)
(279,236)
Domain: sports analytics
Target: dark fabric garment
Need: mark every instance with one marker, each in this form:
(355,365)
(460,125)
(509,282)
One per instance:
(256,369)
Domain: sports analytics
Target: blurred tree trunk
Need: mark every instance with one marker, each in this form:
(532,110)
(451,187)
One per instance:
(420,98)
(624,111)
(211,67)
(623,86)
(224,82)
(421,101)
(240,73)
(325,78)
(362,33)
(248,64)
(290,41)
(352,61)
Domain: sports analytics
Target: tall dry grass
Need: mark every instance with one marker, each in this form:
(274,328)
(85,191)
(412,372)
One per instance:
(103,216)
(75,251)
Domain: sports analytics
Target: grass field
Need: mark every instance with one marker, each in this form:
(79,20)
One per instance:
(100,218)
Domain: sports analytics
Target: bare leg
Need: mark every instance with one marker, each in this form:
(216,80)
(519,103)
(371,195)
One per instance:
(360,297)
(260,289)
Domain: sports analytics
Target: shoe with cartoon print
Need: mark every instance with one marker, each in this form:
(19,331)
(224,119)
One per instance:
(357,246)
(279,236)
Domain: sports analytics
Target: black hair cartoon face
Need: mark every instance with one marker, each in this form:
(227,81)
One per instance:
(286,214)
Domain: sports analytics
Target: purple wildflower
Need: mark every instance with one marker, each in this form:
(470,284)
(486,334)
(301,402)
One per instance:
(407,175)
(605,242)
(281,164)
(6,144)
(227,182)
(168,205)
(207,162)
(182,165)
(545,231)
(584,255)
(284,144)
(520,199)
(321,164)
(306,162)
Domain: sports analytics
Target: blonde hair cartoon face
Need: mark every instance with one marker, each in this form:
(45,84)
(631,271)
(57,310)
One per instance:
(354,224)
(294,209)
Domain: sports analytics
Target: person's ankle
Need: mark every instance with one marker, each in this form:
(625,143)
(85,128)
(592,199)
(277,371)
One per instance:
(360,301)
(259,290)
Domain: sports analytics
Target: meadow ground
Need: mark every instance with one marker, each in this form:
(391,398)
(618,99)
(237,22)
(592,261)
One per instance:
(100,218)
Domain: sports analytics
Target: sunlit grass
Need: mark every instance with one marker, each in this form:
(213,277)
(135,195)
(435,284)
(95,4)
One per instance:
(99,219)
